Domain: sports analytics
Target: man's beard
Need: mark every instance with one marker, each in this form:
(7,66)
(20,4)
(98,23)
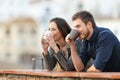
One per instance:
(87,34)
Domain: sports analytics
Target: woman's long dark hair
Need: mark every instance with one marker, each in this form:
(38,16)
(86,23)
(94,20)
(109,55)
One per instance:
(62,26)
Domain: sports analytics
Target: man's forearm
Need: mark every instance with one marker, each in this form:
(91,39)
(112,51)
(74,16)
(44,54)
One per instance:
(76,59)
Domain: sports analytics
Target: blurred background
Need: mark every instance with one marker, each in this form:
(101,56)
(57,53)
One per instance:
(23,21)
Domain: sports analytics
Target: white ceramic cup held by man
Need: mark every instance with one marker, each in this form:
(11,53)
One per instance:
(73,34)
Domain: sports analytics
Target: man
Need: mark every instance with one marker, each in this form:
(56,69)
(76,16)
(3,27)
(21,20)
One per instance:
(97,43)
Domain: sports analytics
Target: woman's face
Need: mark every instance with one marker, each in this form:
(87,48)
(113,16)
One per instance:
(54,29)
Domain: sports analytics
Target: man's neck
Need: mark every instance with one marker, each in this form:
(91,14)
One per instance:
(90,34)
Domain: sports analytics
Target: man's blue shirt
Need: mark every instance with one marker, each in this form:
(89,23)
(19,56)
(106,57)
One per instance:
(104,48)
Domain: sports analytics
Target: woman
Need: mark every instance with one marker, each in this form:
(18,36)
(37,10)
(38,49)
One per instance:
(56,51)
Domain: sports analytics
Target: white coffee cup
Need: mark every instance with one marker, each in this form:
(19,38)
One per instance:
(45,34)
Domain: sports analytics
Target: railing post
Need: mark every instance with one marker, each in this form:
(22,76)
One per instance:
(42,64)
(33,63)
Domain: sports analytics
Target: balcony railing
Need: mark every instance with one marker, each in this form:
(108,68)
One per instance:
(53,75)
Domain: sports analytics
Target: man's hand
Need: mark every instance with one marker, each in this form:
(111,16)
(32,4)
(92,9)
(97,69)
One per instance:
(69,41)
(93,69)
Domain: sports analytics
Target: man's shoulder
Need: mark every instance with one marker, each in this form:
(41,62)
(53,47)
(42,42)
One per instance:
(104,31)
(106,34)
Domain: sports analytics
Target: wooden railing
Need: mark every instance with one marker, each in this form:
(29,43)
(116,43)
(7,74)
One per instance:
(53,75)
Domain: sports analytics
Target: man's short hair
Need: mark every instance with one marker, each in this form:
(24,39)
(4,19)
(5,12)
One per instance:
(85,16)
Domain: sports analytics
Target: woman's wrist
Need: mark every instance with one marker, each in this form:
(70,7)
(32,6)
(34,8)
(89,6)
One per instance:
(56,49)
(45,52)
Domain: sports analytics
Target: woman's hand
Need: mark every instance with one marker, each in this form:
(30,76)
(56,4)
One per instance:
(52,42)
(44,45)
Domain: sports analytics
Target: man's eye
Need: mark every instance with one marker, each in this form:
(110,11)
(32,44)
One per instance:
(77,26)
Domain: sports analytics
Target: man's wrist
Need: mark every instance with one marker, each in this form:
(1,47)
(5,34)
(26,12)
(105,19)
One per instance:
(72,46)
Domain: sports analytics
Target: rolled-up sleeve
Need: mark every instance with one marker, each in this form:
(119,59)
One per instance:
(104,49)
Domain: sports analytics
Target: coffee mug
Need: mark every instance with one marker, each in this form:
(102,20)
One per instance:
(45,34)
(73,34)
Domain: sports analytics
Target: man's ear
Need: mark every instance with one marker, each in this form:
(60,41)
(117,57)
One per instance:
(89,24)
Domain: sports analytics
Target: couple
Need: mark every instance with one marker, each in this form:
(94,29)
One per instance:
(63,54)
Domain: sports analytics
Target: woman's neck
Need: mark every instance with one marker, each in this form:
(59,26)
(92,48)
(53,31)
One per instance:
(61,43)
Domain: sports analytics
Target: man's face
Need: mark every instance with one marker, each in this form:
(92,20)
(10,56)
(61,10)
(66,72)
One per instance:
(82,28)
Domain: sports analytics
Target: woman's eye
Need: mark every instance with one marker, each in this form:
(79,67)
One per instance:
(53,29)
